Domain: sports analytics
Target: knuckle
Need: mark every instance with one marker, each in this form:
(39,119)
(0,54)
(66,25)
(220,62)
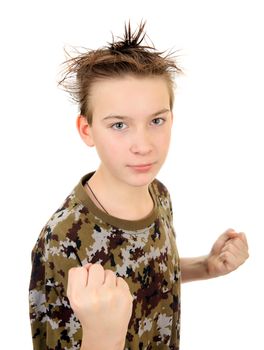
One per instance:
(71,270)
(96,266)
(110,273)
(122,281)
(74,270)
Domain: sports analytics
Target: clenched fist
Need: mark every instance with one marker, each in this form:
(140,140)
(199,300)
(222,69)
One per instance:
(228,252)
(103,304)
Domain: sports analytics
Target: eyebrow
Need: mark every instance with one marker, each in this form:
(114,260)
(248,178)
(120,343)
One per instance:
(122,117)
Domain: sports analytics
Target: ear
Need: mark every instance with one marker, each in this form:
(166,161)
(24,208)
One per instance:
(85,130)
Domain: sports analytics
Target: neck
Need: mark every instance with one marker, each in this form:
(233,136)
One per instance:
(120,199)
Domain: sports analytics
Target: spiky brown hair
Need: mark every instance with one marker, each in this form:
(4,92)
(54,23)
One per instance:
(117,59)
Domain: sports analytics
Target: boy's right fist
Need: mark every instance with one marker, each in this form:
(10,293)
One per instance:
(102,302)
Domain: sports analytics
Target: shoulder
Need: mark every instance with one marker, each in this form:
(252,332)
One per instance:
(163,198)
(61,229)
(160,190)
(68,212)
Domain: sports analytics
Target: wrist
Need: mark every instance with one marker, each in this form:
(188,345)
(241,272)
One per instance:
(201,268)
(194,269)
(97,341)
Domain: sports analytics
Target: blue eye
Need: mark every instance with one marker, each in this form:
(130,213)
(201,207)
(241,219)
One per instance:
(160,121)
(118,126)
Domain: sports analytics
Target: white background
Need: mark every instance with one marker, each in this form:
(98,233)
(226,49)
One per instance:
(214,170)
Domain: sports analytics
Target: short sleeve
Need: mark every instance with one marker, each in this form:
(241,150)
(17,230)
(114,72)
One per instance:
(53,323)
(37,300)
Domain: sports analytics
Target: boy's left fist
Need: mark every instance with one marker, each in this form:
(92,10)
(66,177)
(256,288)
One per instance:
(228,252)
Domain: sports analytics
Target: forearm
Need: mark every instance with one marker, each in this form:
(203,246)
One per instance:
(194,269)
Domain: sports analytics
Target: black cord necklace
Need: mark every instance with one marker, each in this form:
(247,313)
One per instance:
(96,197)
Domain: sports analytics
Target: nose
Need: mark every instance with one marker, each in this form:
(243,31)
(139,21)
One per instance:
(141,143)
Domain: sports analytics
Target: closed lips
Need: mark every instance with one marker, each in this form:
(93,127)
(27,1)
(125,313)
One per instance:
(141,165)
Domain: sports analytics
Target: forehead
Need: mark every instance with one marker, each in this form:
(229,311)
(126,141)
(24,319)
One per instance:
(129,95)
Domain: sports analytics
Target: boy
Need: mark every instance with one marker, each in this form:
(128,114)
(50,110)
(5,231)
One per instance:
(117,223)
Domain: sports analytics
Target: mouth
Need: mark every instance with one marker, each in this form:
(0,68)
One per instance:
(141,167)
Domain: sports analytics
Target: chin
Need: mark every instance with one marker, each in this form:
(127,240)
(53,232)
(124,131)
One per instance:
(140,180)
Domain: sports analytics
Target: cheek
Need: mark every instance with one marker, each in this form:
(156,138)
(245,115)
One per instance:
(111,149)
(163,141)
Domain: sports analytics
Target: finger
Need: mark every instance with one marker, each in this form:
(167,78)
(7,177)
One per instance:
(120,282)
(243,237)
(77,277)
(87,266)
(110,279)
(95,276)
(236,242)
(238,248)
(223,238)
(231,233)
(231,262)
(240,244)
(237,251)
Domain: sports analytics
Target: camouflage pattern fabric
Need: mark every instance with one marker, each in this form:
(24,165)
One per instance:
(143,252)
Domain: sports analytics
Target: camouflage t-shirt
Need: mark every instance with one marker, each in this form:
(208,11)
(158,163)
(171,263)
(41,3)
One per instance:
(143,252)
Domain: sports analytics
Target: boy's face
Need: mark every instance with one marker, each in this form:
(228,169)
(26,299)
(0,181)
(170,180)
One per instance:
(131,127)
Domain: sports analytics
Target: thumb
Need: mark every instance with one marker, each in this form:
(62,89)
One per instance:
(231,233)
(223,238)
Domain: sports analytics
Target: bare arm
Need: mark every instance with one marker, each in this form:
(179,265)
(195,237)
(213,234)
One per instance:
(193,269)
(228,252)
